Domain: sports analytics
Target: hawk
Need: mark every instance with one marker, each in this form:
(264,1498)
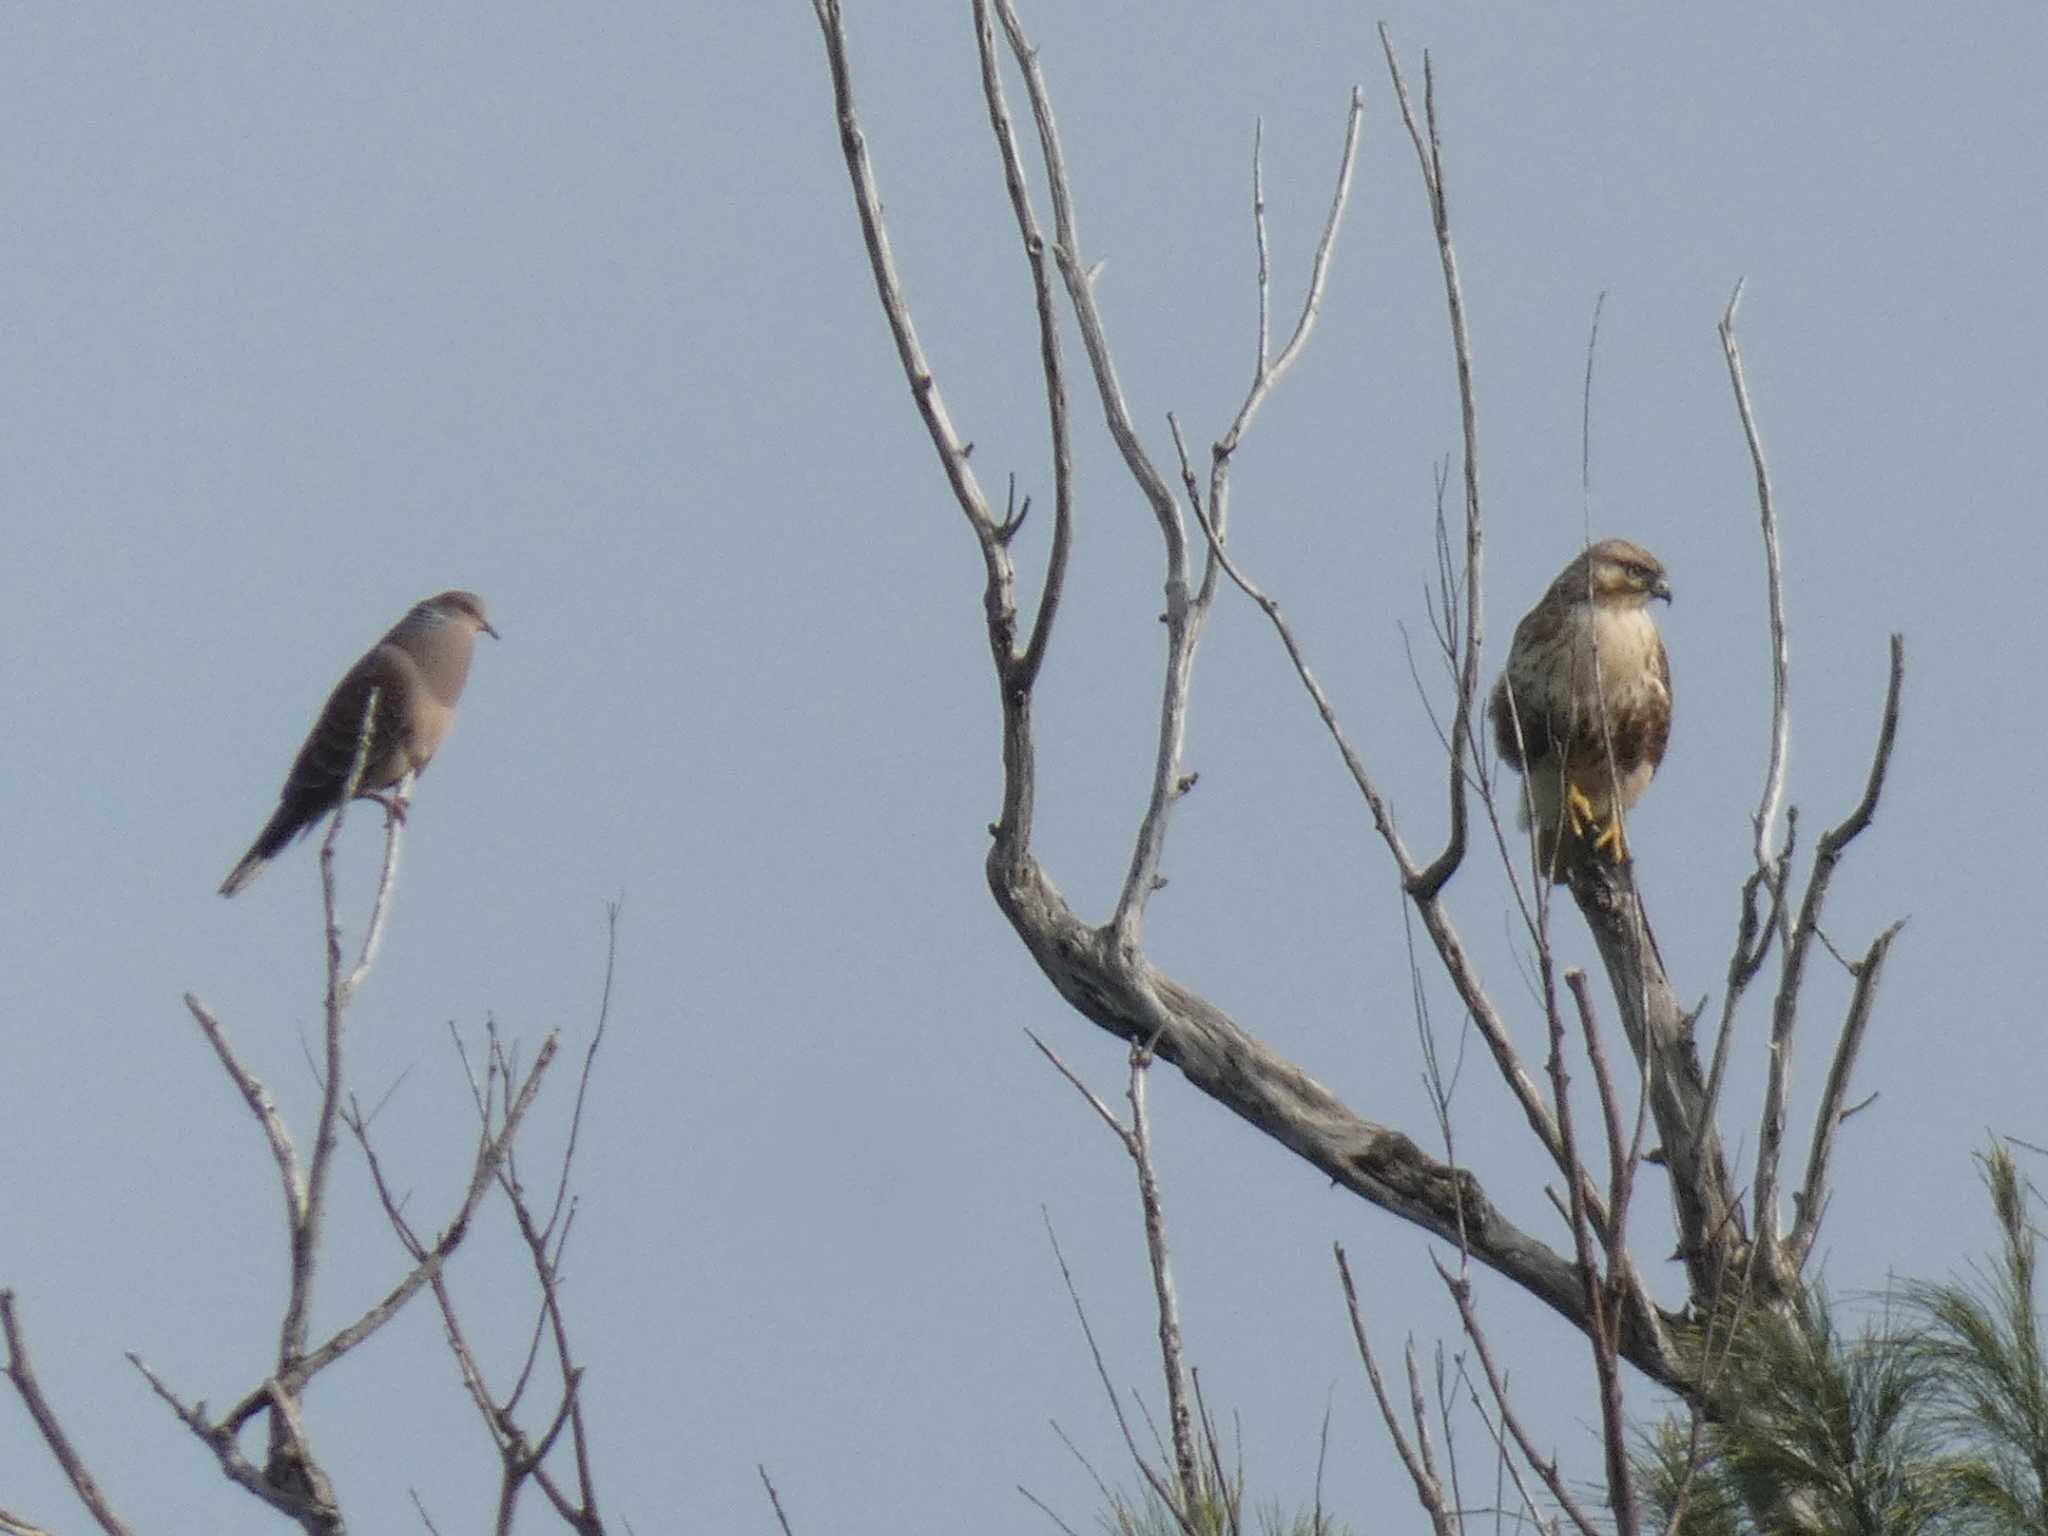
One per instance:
(1583,708)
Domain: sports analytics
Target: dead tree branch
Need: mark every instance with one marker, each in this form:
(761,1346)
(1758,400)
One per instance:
(502,1098)
(1797,949)
(1429,153)
(1136,1140)
(21,1372)
(1102,970)
(1415,1455)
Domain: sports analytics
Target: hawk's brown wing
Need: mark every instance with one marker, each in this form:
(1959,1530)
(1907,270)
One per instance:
(1522,727)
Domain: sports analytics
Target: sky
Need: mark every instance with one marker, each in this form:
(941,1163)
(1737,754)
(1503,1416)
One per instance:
(310,313)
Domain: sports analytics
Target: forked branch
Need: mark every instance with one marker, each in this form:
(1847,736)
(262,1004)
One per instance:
(1102,971)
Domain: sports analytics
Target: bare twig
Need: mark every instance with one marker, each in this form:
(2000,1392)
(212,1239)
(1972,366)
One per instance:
(419,1507)
(387,885)
(1081,293)
(1167,1493)
(1443,1409)
(305,1232)
(1460,1287)
(1102,1110)
(491,1151)
(261,1105)
(1173,1357)
(1429,1491)
(21,1372)
(1600,1294)
(1827,856)
(1754,933)
(1268,370)
(1376,803)
(523,1456)
(1108,1494)
(1774,585)
(1039,1504)
(1812,1200)
(1271,369)
(1025,669)
(1506,1468)
(502,1098)
(775,1499)
(604,1011)
(1136,1140)
(1430,157)
(931,404)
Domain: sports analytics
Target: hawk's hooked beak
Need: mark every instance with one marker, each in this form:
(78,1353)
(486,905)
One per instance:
(1661,589)
(486,626)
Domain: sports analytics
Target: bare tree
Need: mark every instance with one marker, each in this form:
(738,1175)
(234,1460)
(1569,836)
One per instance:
(290,1476)
(1737,1249)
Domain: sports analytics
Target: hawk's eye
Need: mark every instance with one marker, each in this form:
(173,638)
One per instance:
(1639,572)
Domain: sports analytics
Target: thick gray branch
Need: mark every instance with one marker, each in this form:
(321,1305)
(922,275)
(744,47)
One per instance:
(1659,1031)
(1247,1077)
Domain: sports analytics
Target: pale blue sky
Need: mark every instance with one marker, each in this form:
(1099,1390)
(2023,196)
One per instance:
(307,314)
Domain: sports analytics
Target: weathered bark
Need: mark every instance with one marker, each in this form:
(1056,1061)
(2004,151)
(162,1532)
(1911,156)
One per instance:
(1136,1002)
(1713,1241)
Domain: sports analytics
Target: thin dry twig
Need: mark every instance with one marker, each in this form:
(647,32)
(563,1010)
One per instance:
(931,404)
(1812,1199)
(306,1231)
(1773,793)
(261,1105)
(1460,1287)
(21,1371)
(1158,1484)
(1429,1492)
(1044,1509)
(501,1099)
(1271,369)
(1755,932)
(775,1499)
(1827,856)
(1025,669)
(1506,1469)
(523,1456)
(1601,1293)
(1430,157)
(387,886)
(1136,1140)
(420,1508)
(1443,1410)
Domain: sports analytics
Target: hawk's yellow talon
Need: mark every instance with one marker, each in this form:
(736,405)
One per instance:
(1612,835)
(1580,810)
